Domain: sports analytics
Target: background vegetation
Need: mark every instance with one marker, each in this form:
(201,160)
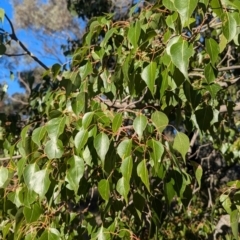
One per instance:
(135,135)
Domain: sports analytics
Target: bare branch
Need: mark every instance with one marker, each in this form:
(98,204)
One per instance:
(18,101)
(24,83)
(9,158)
(14,37)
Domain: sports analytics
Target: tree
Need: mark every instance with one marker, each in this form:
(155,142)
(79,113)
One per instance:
(108,152)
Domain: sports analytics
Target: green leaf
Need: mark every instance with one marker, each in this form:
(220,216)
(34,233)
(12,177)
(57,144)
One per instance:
(226,203)
(55,127)
(213,89)
(40,182)
(204,117)
(160,121)
(123,188)
(38,134)
(81,139)
(180,53)
(149,75)
(101,144)
(181,144)
(117,122)
(209,74)
(198,171)
(28,173)
(213,50)
(156,152)
(104,189)
(185,9)
(78,104)
(87,119)
(85,70)
(56,68)
(142,172)
(3,176)
(124,149)
(74,172)
(49,235)
(54,149)
(108,36)
(229,26)
(2,14)
(234,219)
(169,190)
(126,168)
(16,197)
(3,49)
(139,124)
(134,33)
(32,214)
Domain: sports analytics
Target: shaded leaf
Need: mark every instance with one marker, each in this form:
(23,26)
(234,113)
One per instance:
(213,50)
(32,214)
(143,173)
(126,168)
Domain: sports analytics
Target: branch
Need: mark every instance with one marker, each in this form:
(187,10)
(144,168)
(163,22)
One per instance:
(14,55)
(9,158)
(14,37)
(18,101)
(24,83)
(219,69)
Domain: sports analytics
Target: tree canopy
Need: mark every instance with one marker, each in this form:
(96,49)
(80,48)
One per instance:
(130,141)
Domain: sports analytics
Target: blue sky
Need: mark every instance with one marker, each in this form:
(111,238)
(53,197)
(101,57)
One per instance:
(32,44)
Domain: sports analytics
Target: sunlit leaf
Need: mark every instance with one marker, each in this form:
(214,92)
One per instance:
(149,75)
(181,144)
(75,172)
(123,188)
(101,144)
(104,189)
(139,124)
(124,148)
(126,168)
(160,120)
(54,149)
(81,139)
(3,176)
(117,122)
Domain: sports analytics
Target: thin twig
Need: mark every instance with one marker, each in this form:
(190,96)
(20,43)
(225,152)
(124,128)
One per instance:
(24,83)
(9,158)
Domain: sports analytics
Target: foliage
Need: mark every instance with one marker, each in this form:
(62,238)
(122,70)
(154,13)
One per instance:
(100,127)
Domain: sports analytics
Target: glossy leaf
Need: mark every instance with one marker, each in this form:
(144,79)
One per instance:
(78,103)
(143,173)
(54,149)
(229,26)
(181,143)
(87,119)
(74,172)
(209,74)
(101,144)
(28,174)
(40,182)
